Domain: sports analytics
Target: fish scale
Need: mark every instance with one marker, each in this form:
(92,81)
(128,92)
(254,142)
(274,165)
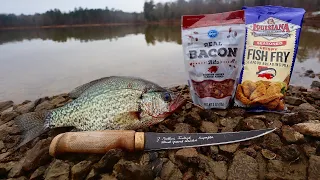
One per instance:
(99,108)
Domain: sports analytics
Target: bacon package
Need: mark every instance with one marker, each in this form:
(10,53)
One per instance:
(271,45)
(213,46)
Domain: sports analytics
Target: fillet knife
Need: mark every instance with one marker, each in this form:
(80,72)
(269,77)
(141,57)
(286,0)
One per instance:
(130,140)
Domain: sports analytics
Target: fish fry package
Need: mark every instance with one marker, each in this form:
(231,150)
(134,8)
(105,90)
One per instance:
(213,49)
(271,45)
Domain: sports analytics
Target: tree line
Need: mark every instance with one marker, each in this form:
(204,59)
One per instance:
(174,10)
(75,17)
(151,12)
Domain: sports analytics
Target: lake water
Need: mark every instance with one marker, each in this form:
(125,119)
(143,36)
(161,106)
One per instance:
(37,63)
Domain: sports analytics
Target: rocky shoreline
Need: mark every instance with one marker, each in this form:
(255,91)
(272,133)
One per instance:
(291,152)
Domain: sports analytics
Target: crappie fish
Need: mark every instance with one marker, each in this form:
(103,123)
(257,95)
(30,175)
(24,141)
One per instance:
(111,103)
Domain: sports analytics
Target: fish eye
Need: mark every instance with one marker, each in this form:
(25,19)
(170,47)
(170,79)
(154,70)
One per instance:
(167,96)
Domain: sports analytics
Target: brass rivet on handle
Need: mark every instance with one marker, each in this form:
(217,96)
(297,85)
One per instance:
(139,140)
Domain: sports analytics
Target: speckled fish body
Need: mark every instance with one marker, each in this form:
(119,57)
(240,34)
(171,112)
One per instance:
(107,103)
(108,109)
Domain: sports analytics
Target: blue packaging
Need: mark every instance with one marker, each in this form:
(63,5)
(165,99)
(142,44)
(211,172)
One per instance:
(271,45)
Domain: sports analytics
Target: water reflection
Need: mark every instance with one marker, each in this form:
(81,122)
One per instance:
(309,46)
(43,62)
(153,33)
(309,43)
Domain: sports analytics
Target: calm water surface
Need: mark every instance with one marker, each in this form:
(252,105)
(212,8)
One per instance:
(37,63)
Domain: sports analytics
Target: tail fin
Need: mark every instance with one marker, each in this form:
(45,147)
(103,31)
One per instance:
(31,125)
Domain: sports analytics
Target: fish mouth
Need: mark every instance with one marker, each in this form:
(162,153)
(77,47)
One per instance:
(174,105)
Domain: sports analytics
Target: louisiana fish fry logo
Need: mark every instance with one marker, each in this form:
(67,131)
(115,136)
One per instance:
(266,72)
(272,28)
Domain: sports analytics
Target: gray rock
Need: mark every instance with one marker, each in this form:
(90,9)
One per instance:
(292,118)
(170,171)
(208,127)
(221,112)
(216,168)
(272,116)
(311,129)
(252,124)
(183,128)
(93,174)
(156,166)
(188,106)
(314,168)
(272,142)
(58,100)
(7,116)
(81,170)
(295,101)
(37,156)
(309,150)
(6,167)
(25,108)
(214,150)
(234,112)
(262,166)
(250,151)
(16,170)
(189,155)
(5,105)
(163,129)
(315,84)
(193,118)
(226,129)
(274,124)
(230,122)
(304,107)
(208,115)
(201,175)
(315,95)
(148,157)
(130,170)
(1,145)
(296,89)
(243,167)
(58,170)
(230,148)
(107,177)
(220,169)
(268,154)
(188,175)
(277,169)
(46,105)
(290,152)
(4,155)
(38,173)
(291,135)
(107,162)
(19,178)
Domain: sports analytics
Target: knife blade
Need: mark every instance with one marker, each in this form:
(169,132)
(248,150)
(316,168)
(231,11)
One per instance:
(130,140)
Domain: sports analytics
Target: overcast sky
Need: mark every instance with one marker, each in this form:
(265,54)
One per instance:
(40,6)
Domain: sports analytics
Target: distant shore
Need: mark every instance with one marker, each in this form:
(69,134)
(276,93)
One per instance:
(175,22)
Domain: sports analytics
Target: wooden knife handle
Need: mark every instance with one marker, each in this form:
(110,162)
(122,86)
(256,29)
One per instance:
(96,141)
